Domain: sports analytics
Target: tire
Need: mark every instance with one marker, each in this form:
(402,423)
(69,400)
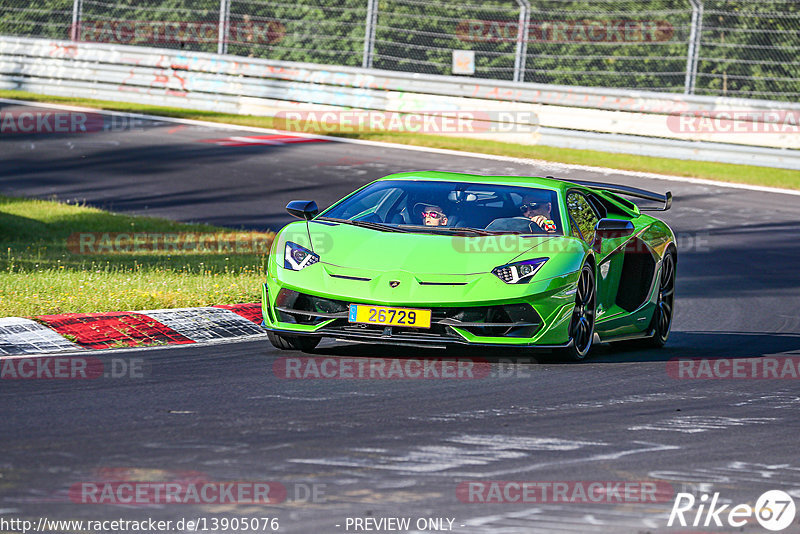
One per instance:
(661,324)
(581,327)
(302,343)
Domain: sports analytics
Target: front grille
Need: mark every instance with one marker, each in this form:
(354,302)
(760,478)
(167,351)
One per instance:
(436,332)
(508,320)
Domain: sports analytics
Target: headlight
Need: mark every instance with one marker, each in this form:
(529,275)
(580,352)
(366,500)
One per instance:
(520,272)
(297,258)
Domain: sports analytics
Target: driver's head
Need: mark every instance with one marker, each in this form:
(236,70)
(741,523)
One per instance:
(534,204)
(433,216)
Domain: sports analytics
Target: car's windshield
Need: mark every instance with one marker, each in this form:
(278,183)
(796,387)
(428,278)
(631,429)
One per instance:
(447,207)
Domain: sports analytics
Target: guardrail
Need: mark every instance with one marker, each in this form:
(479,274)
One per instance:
(574,117)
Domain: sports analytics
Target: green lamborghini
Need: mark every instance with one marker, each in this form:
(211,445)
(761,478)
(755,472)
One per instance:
(439,258)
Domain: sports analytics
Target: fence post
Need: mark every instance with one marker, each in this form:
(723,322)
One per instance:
(522,40)
(695,36)
(74,31)
(224,23)
(369,33)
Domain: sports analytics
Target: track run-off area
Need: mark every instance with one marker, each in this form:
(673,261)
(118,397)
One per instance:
(378,448)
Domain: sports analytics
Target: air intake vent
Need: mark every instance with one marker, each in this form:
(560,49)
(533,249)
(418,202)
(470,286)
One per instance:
(343,277)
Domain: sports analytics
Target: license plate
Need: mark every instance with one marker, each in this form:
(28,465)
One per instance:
(388,316)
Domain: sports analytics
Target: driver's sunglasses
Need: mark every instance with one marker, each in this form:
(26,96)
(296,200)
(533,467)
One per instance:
(531,206)
(432,214)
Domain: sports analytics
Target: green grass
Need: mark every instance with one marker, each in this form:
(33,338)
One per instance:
(695,169)
(41,273)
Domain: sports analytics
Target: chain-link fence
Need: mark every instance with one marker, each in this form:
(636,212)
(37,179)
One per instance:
(750,49)
(711,47)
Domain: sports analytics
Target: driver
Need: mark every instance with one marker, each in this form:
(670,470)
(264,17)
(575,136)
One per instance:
(433,216)
(538,210)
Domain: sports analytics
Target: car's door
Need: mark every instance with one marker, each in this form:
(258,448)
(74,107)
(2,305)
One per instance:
(584,215)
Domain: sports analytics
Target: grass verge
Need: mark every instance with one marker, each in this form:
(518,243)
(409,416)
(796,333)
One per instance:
(694,169)
(62,258)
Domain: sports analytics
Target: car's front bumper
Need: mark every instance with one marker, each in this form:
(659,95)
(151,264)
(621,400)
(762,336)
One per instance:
(529,315)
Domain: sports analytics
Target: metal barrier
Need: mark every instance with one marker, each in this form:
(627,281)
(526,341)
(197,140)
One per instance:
(575,117)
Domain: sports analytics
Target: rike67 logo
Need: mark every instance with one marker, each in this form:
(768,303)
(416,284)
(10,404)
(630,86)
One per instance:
(774,510)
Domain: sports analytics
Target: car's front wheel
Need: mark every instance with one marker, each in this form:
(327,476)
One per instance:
(284,342)
(581,327)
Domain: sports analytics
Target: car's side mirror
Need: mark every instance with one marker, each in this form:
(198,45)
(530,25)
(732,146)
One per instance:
(611,229)
(303,209)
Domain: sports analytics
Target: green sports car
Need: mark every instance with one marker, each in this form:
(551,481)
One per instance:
(439,258)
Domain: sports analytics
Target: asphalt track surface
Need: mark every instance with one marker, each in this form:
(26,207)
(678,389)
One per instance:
(399,448)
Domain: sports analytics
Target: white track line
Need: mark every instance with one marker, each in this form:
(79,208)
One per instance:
(442,151)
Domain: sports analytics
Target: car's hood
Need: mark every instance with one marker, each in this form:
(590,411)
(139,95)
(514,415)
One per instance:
(350,246)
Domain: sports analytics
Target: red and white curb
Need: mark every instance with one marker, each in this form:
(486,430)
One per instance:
(261,140)
(79,331)
(24,336)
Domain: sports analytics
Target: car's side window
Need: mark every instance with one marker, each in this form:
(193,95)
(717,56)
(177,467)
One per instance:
(583,214)
(598,205)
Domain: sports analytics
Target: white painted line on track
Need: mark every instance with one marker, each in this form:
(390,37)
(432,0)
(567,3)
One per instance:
(441,151)
(255,141)
(641,447)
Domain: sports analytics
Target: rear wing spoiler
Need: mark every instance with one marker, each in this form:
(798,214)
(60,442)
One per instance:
(665,199)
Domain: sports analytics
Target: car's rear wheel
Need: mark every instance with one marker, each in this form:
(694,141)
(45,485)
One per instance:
(581,327)
(284,342)
(661,323)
